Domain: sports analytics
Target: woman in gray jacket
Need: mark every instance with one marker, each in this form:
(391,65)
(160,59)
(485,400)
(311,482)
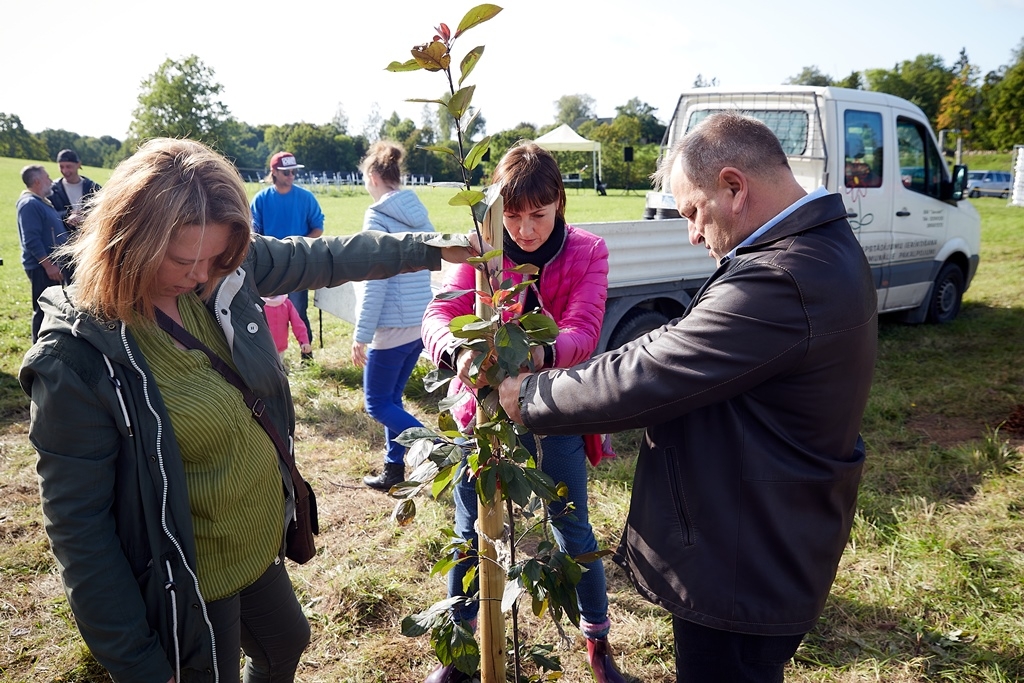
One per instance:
(390,311)
(164,500)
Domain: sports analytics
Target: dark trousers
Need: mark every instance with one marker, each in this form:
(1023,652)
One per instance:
(265,621)
(708,655)
(39,281)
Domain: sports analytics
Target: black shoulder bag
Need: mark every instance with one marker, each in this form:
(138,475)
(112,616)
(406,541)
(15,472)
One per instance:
(299,545)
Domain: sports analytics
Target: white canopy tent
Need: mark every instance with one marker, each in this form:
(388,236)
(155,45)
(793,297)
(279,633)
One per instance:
(565,139)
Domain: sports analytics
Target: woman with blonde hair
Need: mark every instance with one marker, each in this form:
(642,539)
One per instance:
(390,310)
(165,502)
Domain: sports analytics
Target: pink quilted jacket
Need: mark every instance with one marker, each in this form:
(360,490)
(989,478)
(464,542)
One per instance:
(572,290)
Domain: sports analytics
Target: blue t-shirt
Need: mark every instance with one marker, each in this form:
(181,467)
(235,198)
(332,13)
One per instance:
(283,215)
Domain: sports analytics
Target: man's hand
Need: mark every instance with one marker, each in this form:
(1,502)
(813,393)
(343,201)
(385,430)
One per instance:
(52,271)
(508,396)
(358,354)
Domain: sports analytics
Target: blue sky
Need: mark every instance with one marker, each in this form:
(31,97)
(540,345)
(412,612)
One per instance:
(298,61)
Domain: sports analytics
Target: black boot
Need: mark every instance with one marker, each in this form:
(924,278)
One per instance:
(394,473)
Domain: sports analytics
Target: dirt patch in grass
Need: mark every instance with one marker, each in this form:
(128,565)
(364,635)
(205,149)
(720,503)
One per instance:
(1015,422)
(946,431)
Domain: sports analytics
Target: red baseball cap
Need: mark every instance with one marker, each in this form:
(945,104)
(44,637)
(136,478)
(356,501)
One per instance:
(285,160)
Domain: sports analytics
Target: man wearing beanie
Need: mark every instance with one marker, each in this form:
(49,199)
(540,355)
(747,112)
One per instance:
(72,190)
(284,209)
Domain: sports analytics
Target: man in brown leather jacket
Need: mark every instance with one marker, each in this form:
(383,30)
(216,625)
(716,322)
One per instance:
(746,485)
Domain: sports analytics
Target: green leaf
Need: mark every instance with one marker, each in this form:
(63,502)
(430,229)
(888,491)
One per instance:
(512,347)
(587,558)
(404,512)
(425,101)
(436,379)
(438,148)
(517,487)
(466,198)
(539,327)
(433,56)
(411,65)
(453,294)
(414,434)
(436,615)
(512,591)
(475,17)
(449,402)
(542,484)
(442,481)
(469,62)
(473,159)
(487,484)
(460,101)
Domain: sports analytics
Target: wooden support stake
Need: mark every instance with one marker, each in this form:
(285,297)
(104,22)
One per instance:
(490,516)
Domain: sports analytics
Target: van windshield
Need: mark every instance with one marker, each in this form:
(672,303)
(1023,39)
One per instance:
(790,127)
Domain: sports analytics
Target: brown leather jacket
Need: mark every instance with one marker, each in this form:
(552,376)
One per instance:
(746,483)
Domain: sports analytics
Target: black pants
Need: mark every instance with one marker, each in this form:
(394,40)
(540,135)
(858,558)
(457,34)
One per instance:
(707,655)
(266,622)
(39,280)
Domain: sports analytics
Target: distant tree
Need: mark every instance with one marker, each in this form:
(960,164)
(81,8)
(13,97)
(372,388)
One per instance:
(340,119)
(17,142)
(1006,119)
(56,140)
(180,99)
(320,148)
(923,80)
(571,108)
(245,145)
(810,75)
(651,130)
(956,110)
(701,82)
(853,81)
(372,125)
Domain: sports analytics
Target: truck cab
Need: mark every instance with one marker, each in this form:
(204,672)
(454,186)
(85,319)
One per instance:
(878,151)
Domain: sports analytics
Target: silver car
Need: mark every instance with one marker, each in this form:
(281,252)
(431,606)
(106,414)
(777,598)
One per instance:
(991,183)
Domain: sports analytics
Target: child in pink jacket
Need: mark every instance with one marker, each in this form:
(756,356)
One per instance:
(280,313)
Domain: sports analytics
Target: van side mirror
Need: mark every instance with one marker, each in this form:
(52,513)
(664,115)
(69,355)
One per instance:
(957,188)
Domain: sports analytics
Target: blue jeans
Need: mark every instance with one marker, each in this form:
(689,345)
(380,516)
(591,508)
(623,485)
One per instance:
(564,461)
(384,378)
(300,300)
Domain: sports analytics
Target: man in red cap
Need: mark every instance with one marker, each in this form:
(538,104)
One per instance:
(285,209)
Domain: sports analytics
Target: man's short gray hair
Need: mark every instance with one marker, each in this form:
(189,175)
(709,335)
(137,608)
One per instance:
(725,138)
(30,173)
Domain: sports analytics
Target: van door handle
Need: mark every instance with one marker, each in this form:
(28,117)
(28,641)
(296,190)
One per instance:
(903,213)
(851,214)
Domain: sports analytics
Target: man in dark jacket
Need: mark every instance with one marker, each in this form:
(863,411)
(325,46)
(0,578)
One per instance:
(746,485)
(72,189)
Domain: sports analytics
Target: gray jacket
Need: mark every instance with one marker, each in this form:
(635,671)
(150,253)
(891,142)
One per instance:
(115,503)
(401,300)
(746,482)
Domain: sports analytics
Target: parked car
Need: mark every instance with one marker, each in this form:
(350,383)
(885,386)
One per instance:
(992,183)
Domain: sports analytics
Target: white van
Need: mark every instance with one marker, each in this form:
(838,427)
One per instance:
(878,151)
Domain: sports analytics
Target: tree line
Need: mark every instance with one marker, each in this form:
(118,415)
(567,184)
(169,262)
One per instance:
(182,99)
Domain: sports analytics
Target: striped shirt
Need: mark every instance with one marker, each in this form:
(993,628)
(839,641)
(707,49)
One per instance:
(234,484)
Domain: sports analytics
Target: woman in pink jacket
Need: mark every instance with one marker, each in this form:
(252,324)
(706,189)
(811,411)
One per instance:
(571,288)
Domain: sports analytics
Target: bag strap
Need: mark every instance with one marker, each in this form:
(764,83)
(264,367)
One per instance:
(255,403)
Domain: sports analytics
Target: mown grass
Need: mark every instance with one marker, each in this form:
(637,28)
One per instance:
(929,588)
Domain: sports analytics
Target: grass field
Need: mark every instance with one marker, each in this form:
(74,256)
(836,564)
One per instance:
(929,589)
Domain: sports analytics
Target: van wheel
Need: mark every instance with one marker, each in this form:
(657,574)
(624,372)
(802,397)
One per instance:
(974,194)
(947,293)
(1003,195)
(636,323)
